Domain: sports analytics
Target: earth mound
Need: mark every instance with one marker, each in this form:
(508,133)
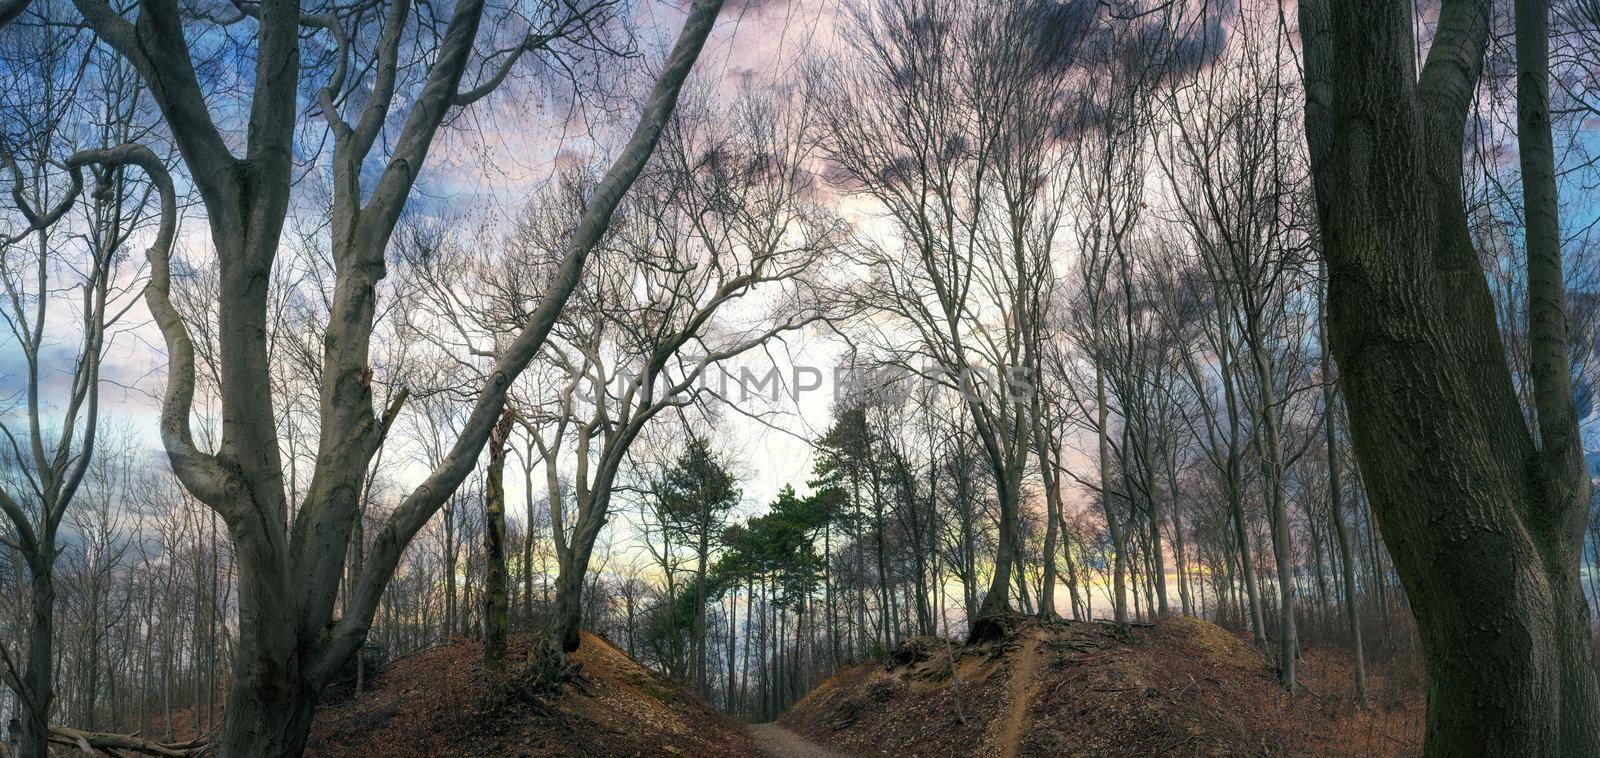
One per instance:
(438,702)
(1180,687)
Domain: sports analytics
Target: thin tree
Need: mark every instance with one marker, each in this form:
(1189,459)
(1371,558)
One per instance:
(944,120)
(53,261)
(497,583)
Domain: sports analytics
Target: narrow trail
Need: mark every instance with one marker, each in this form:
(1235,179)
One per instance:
(777,742)
(1024,677)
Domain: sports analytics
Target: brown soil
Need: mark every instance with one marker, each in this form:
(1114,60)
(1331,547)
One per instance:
(774,741)
(1183,687)
(1021,684)
(437,703)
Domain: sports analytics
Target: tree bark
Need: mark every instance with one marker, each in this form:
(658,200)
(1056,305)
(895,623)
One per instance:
(574,560)
(39,677)
(1271,459)
(1179,549)
(1052,492)
(1258,623)
(1119,602)
(997,601)
(1483,518)
(702,564)
(496,584)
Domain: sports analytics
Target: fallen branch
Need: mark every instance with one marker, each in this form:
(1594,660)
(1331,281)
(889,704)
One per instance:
(1138,624)
(89,742)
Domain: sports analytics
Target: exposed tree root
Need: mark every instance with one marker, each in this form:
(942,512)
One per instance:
(988,628)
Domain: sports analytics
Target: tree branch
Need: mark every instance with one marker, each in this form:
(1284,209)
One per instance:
(37,221)
(158,50)
(200,472)
(1449,78)
(421,504)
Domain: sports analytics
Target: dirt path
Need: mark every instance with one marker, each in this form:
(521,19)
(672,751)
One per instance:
(776,742)
(1024,675)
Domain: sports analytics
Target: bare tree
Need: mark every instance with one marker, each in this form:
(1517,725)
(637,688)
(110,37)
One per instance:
(497,585)
(1237,177)
(718,222)
(290,642)
(52,261)
(946,121)
(1484,511)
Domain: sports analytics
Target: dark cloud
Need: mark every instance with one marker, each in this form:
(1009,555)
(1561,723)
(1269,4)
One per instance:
(1191,53)
(1061,29)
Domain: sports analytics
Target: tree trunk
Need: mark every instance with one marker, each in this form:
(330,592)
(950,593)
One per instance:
(1047,587)
(272,695)
(1158,558)
(1080,609)
(1021,569)
(885,619)
(1282,542)
(732,684)
(450,559)
(1119,601)
(1258,623)
(827,593)
(1483,519)
(39,677)
(997,601)
(574,567)
(527,540)
(279,666)
(749,636)
(496,587)
(1179,551)
(697,641)
(267,715)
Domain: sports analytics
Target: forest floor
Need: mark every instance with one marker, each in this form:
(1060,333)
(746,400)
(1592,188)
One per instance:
(1181,687)
(774,741)
(436,702)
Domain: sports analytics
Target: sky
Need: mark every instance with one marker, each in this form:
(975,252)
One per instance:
(757,44)
(486,172)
